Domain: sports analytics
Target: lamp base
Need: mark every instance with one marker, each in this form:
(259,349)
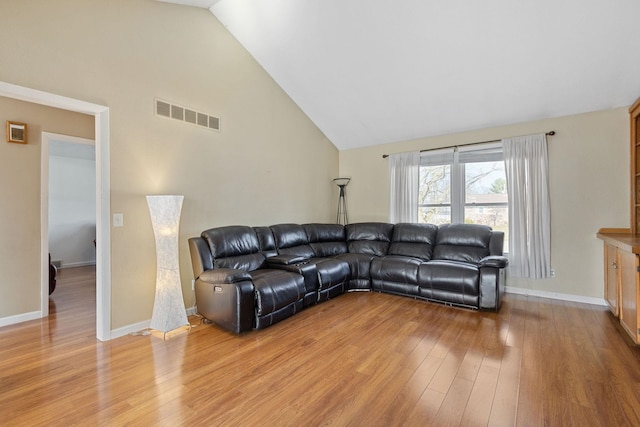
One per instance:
(170,334)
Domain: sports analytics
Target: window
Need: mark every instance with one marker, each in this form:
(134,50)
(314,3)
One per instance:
(464,185)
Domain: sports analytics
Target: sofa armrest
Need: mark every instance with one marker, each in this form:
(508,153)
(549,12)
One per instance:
(224,275)
(274,261)
(492,283)
(494,261)
(229,305)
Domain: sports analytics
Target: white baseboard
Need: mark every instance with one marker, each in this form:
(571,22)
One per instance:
(18,318)
(140,326)
(556,295)
(77,264)
(115,333)
(130,329)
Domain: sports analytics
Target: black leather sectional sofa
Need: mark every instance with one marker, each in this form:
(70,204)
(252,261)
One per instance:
(251,277)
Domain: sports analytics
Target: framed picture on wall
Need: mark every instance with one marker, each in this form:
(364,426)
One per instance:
(16,132)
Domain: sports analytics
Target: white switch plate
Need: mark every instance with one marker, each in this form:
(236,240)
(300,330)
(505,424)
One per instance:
(118,220)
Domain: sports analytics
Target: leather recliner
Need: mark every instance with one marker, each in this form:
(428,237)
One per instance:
(325,276)
(365,242)
(233,288)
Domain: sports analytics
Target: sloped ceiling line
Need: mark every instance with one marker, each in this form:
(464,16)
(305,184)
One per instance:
(370,72)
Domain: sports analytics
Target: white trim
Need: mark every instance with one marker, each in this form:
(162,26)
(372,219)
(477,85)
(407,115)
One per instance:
(69,138)
(140,326)
(76,264)
(22,317)
(130,329)
(44,225)
(103,229)
(103,191)
(50,99)
(556,295)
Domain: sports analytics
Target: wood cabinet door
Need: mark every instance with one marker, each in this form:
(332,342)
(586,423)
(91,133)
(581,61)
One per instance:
(628,265)
(611,282)
(634,121)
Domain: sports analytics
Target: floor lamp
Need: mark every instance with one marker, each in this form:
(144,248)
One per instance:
(342,217)
(168,306)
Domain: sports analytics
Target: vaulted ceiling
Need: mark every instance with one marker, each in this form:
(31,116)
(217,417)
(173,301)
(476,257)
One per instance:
(368,72)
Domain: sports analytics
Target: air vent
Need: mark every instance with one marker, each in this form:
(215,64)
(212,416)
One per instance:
(177,112)
(187,115)
(214,123)
(190,116)
(163,109)
(203,120)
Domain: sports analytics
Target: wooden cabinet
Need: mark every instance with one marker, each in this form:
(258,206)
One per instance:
(628,268)
(622,247)
(622,278)
(634,121)
(611,277)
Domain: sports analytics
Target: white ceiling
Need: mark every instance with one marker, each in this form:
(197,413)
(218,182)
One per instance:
(369,72)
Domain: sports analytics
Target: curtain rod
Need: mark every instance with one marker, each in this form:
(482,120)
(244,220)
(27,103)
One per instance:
(550,133)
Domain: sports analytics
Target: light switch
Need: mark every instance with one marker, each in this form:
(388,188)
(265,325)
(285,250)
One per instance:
(118,220)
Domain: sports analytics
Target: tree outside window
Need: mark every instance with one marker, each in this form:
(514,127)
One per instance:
(472,192)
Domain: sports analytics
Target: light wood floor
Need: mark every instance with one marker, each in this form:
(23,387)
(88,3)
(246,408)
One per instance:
(361,359)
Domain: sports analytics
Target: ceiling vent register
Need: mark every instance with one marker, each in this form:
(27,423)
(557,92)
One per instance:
(188,115)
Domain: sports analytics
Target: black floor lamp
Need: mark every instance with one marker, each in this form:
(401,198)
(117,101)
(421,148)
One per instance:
(342,217)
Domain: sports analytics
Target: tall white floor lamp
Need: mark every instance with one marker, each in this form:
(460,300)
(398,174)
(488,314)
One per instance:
(168,307)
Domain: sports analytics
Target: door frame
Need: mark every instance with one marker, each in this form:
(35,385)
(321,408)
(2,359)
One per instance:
(103,191)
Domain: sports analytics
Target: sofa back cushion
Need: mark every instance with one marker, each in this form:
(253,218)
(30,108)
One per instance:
(371,238)
(462,242)
(266,242)
(234,246)
(326,239)
(413,240)
(291,239)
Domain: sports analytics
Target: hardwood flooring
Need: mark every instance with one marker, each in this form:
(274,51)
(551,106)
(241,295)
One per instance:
(362,359)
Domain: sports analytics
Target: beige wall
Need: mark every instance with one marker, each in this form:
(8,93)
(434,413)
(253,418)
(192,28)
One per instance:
(20,195)
(269,163)
(589,185)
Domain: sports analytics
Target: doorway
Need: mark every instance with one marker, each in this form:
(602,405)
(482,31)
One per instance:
(103,191)
(70,189)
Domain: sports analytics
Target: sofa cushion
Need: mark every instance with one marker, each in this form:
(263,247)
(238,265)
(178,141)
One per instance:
(266,242)
(326,239)
(360,268)
(291,239)
(398,274)
(275,289)
(331,272)
(234,246)
(462,242)
(249,262)
(371,238)
(413,240)
(450,281)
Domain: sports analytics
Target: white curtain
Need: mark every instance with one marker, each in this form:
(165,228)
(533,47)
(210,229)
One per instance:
(527,170)
(404,171)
